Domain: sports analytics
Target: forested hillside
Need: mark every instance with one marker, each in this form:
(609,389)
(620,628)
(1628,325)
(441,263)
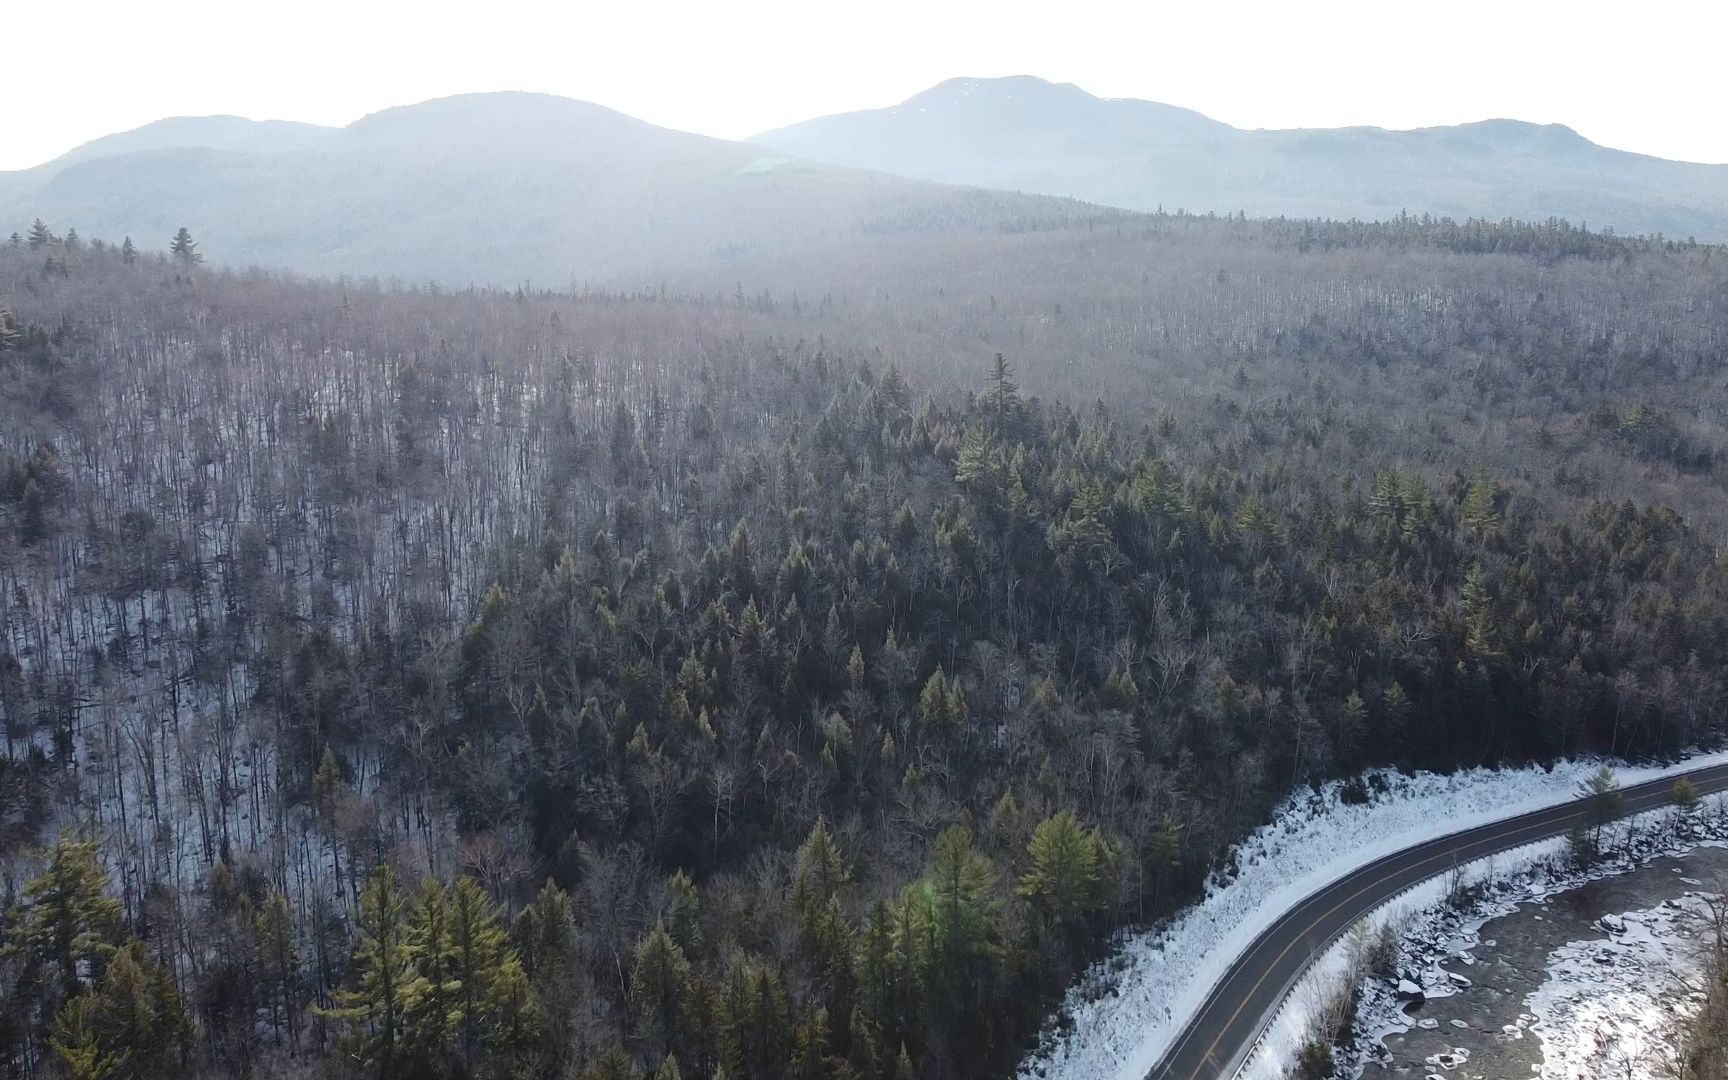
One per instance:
(801,678)
(1021,133)
(494,189)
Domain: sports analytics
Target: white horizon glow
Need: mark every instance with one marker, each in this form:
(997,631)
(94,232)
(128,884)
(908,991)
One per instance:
(79,69)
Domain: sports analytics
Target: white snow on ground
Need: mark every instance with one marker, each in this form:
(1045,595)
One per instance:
(1275,1054)
(1122,1016)
(1607,1008)
(1440,933)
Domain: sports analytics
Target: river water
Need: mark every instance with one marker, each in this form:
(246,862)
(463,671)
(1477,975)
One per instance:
(1550,991)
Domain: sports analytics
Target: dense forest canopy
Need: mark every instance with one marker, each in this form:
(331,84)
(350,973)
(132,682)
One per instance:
(800,676)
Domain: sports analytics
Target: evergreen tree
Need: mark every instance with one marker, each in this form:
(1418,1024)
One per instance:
(1481,633)
(128,253)
(430,1010)
(184,248)
(77,1040)
(1684,795)
(66,917)
(1396,709)
(810,1049)
(614,1064)
(40,235)
(545,932)
(132,1025)
(974,465)
(488,975)
(819,870)
(956,937)
(277,961)
(1003,394)
(755,1022)
(684,912)
(1479,513)
(545,935)
(373,1010)
(514,1017)
(1066,877)
(886,981)
(33,521)
(139,1012)
(660,986)
(941,705)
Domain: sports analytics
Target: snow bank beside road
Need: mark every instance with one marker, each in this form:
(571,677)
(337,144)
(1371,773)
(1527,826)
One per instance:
(1126,1011)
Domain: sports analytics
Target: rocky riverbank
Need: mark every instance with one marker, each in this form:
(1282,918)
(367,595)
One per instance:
(1549,972)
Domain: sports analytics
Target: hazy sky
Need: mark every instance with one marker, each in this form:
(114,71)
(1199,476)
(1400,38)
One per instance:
(1645,77)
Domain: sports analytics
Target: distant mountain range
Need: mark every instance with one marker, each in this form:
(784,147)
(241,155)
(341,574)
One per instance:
(486,188)
(1026,134)
(511,187)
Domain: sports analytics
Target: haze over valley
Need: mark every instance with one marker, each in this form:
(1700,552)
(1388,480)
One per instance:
(1014,584)
(504,188)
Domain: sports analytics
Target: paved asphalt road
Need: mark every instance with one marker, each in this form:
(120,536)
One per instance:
(1216,1042)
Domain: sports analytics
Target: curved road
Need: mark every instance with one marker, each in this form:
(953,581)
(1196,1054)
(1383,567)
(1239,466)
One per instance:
(1218,1040)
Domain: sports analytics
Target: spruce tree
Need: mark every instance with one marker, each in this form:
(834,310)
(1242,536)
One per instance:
(660,987)
(885,978)
(684,911)
(974,465)
(810,1049)
(373,1010)
(941,705)
(1003,393)
(128,253)
(277,961)
(139,1011)
(545,932)
(184,248)
(66,917)
(480,955)
(820,871)
(1066,878)
(431,1008)
(755,1021)
(1479,514)
(40,235)
(76,1039)
(958,931)
(1481,633)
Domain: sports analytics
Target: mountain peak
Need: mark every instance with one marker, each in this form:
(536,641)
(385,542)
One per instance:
(220,132)
(1024,133)
(1002,87)
(1004,100)
(490,111)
